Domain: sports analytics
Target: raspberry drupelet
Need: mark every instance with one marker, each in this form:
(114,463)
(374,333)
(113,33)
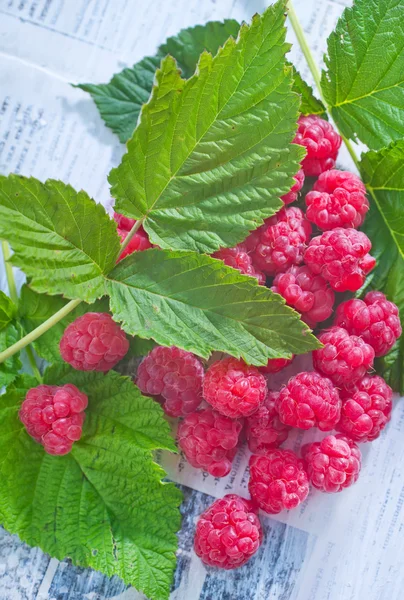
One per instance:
(278,481)
(139,242)
(173,375)
(93,342)
(234,388)
(309,400)
(280,242)
(264,430)
(228,533)
(292,195)
(322,143)
(306,292)
(375,319)
(342,257)
(366,409)
(332,464)
(209,440)
(274,365)
(338,199)
(239,259)
(54,416)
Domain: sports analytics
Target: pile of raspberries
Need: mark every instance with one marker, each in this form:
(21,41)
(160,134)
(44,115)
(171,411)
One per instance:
(307,258)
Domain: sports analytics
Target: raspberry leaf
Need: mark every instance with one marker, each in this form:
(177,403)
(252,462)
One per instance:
(310,105)
(197,303)
(211,156)
(364,83)
(61,238)
(7,310)
(103,505)
(10,367)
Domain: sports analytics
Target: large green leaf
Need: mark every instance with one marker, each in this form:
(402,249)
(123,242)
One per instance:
(104,504)
(197,303)
(383,173)
(211,155)
(364,83)
(61,238)
(7,310)
(10,367)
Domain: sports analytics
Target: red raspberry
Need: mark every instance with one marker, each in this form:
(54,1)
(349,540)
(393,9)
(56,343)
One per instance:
(374,319)
(280,242)
(239,259)
(175,375)
(274,365)
(265,431)
(228,533)
(139,242)
(338,199)
(332,464)
(209,440)
(234,388)
(322,143)
(306,292)
(309,400)
(54,416)
(366,409)
(292,195)
(341,257)
(344,358)
(278,481)
(93,342)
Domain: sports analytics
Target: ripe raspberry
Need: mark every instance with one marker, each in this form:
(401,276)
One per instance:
(366,409)
(93,342)
(175,375)
(228,533)
(341,257)
(338,199)
(280,242)
(309,400)
(278,481)
(265,431)
(292,195)
(140,241)
(54,415)
(322,143)
(239,259)
(233,388)
(209,441)
(344,358)
(275,365)
(332,464)
(374,319)
(306,292)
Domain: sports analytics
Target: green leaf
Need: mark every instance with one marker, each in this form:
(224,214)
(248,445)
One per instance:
(61,238)
(7,310)
(10,367)
(310,105)
(197,303)
(383,174)
(103,505)
(364,83)
(211,155)
(120,100)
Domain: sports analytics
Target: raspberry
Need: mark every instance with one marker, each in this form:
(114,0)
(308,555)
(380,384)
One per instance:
(280,242)
(139,242)
(278,481)
(322,143)
(291,196)
(228,533)
(274,365)
(209,441)
(175,375)
(239,259)
(265,431)
(332,464)
(341,257)
(93,342)
(306,292)
(344,358)
(234,388)
(309,400)
(338,199)
(366,409)
(54,415)
(374,319)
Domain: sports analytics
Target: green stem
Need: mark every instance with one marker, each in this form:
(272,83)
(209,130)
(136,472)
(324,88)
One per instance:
(9,272)
(32,362)
(131,233)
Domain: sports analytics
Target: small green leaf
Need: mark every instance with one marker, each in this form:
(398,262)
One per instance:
(310,105)
(61,238)
(7,310)
(10,367)
(364,83)
(197,303)
(211,156)
(103,505)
